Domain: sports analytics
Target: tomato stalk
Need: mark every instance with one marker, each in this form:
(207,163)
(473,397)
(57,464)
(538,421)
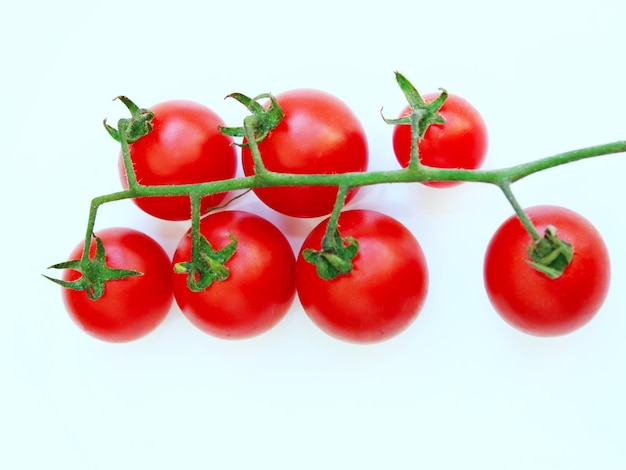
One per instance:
(333,221)
(335,257)
(505,186)
(249,125)
(548,254)
(414,161)
(195,199)
(129,171)
(206,265)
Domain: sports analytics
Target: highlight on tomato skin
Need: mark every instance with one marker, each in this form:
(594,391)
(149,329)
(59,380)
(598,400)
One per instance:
(382,295)
(461,142)
(529,300)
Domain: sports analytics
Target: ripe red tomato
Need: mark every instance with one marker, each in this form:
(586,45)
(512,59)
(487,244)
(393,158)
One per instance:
(383,293)
(184,146)
(530,300)
(318,134)
(132,307)
(459,143)
(260,286)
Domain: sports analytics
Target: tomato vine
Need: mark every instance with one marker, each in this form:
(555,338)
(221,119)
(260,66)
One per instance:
(547,253)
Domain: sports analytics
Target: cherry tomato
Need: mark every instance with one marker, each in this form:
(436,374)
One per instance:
(383,293)
(184,146)
(318,134)
(260,287)
(130,308)
(459,143)
(531,301)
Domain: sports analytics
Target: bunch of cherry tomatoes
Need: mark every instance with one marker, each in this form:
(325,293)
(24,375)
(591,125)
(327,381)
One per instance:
(257,275)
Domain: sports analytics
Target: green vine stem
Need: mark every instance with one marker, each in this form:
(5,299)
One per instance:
(501,177)
(333,221)
(195,198)
(505,186)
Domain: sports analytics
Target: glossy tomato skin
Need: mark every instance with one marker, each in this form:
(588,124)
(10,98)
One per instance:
(260,287)
(530,301)
(318,134)
(459,143)
(130,308)
(184,146)
(384,292)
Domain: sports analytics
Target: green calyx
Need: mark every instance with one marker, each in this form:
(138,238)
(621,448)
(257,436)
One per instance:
(550,255)
(262,121)
(95,272)
(335,257)
(207,265)
(422,114)
(132,129)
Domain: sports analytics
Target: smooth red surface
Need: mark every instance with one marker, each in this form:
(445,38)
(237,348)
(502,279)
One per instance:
(260,287)
(383,293)
(529,300)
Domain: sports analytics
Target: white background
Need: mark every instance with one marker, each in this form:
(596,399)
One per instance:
(459,389)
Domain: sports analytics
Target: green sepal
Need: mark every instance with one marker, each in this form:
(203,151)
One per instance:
(411,94)
(207,265)
(252,104)
(232,131)
(550,255)
(95,273)
(112,131)
(335,259)
(130,105)
(262,121)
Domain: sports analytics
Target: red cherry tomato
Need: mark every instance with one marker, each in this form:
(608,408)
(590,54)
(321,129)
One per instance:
(318,134)
(459,143)
(383,293)
(260,287)
(132,307)
(531,301)
(184,146)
